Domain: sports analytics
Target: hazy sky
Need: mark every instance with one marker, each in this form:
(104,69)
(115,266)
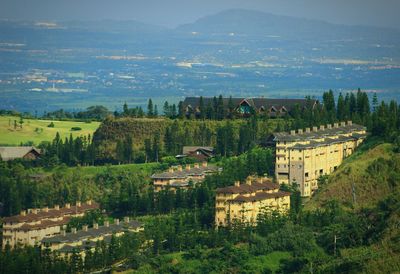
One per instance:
(174,12)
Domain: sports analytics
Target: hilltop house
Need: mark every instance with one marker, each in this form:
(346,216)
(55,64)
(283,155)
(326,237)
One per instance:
(244,202)
(25,152)
(200,153)
(246,106)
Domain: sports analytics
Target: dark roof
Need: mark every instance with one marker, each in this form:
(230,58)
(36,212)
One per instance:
(176,174)
(43,224)
(326,133)
(93,232)
(51,213)
(267,103)
(261,196)
(246,188)
(189,149)
(11,153)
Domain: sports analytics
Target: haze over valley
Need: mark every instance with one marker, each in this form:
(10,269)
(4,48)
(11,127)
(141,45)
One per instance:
(75,64)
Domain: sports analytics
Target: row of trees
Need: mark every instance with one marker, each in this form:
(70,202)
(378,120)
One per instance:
(306,240)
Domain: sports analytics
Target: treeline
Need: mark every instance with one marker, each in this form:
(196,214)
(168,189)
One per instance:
(351,106)
(72,152)
(96,113)
(306,241)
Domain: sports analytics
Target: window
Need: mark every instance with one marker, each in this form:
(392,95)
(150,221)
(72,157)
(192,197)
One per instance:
(306,174)
(299,158)
(321,171)
(300,166)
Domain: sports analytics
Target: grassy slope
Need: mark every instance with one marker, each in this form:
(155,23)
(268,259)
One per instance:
(9,136)
(339,185)
(384,254)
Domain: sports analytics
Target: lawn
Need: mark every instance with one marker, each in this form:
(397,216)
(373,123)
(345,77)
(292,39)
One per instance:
(36,131)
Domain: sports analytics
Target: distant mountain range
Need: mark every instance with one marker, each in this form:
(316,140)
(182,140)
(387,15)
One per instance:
(235,52)
(249,22)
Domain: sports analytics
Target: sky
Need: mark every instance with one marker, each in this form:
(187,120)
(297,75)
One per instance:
(171,13)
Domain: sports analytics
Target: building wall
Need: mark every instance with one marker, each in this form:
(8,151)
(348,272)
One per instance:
(228,211)
(15,234)
(305,166)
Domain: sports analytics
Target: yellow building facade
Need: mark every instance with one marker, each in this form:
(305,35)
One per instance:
(31,226)
(303,156)
(244,202)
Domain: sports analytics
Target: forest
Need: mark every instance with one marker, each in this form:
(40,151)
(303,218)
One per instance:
(179,235)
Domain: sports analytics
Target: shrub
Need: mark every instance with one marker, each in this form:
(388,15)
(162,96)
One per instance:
(50,125)
(76,128)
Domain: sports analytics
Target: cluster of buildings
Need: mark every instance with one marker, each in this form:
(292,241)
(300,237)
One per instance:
(246,106)
(46,227)
(31,226)
(303,156)
(182,178)
(245,202)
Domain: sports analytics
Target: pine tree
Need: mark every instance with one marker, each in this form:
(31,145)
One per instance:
(202,109)
(125,109)
(155,111)
(220,108)
(340,108)
(150,110)
(375,102)
(128,149)
(119,152)
(167,110)
(173,111)
(181,111)
(231,108)
(148,151)
(156,146)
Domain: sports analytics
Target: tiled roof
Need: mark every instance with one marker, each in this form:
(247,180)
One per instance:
(93,232)
(326,133)
(43,224)
(246,188)
(11,153)
(51,213)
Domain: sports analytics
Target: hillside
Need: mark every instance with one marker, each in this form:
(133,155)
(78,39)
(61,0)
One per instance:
(357,170)
(112,130)
(37,131)
(375,174)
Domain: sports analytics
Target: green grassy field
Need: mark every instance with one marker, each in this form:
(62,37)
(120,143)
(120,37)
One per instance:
(37,130)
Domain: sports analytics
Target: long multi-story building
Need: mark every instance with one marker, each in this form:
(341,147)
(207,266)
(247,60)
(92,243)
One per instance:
(244,202)
(82,240)
(178,177)
(303,156)
(31,226)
